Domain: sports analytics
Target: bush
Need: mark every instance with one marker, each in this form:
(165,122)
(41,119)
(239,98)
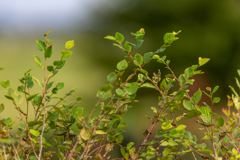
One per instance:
(76,137)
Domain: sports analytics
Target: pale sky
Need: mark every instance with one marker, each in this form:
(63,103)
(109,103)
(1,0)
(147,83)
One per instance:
(23,15)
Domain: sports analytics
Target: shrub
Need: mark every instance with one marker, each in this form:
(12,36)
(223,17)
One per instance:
(74,136)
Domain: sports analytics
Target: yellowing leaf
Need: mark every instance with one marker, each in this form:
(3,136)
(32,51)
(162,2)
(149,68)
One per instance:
(202,61)
(69,44)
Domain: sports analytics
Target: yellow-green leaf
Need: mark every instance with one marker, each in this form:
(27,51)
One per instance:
(69,44)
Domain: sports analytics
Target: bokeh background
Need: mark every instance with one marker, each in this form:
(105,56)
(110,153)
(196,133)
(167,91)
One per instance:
(210,29)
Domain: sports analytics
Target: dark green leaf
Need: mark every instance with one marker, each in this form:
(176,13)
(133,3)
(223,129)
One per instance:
(37,100)
(49,85)
(106,88)
(1,108)
(48,52)
(59,110)
(31,97)
(8,97)
(138,44)
(219,121)
(34,123)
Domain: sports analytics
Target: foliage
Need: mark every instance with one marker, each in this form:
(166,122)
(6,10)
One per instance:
(73,136)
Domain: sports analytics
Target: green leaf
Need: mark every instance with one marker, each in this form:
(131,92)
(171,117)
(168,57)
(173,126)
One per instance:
(59,110)
(167,125)
(39,61)
(206,114)
(123,151)
(1,108)
(188,105)
(5,84)
(192,113)
(49,85)
(202,61)
(131,90)
(143,71)
(138,59)
(108,108)
(111,77)
(182,80)
(69,44)
(35,133)
(60,155)
(148,85)
(66,54)
(166,152)
(41,45)
(110,38)
(219,121)
(60,85)
(18,99)
(119,37)
(167,37)
(106,88)
(129,145)
(45,35)
(118,45)
(122,65)
(8,97)
(32,96)
(188,72)
(216,99)
(127,46)
(50,68)
(77,112)
(138,44)
(196,96)
(48,52)
(39,83)
(37,100)
(63,147)
(147,56)
(180,127)
(34,123)
(78,98)
(215,89)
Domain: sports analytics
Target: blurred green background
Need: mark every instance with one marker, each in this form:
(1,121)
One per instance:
(210,29)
